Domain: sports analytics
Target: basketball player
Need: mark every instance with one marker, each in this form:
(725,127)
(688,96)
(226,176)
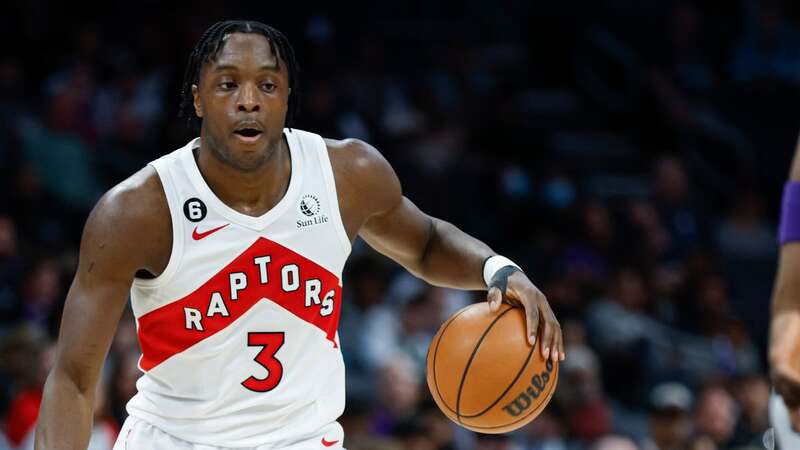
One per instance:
(784,351)
(232,249)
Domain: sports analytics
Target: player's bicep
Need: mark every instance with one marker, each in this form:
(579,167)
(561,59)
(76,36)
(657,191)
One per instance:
(98,294)
(402,233)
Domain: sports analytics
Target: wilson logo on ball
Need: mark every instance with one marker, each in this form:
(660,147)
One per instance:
(532,392)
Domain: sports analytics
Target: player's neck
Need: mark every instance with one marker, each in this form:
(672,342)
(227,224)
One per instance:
(251,192)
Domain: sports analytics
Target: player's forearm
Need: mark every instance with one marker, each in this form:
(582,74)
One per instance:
(65,417)
(786,294)
(453,258)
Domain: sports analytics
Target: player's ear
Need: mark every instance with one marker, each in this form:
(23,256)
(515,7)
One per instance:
(198,107)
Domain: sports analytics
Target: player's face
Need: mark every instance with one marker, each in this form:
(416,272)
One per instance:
(243,97)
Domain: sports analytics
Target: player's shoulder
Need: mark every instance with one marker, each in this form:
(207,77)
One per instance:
(137,203)
(362,171)
(356,155)
(359,161)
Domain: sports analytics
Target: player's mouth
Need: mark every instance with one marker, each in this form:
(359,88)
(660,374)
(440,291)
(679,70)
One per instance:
(248,132)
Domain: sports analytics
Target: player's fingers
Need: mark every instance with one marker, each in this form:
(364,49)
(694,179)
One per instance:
(532,320)
(495,298)
(547,344)
(560,344)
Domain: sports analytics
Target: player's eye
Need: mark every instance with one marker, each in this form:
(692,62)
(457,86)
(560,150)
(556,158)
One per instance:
(268,87)
(227,85)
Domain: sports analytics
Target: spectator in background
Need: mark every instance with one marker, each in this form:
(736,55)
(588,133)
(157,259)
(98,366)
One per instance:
(11,264)
(124,374)
(444,434)
(26,357)
(614,443)
(588,262)
(674,202)
(627,352)
(580,395)
(752,392)
(414,434)
(702,442)
(624,309)
(715,320)
(59,151)
(770,49)
(655,239)
(716,415)
(41,291)
(670,421)
(365,287)
(546,432)
(747,246)
(357,424)
(496,442)
(399,393)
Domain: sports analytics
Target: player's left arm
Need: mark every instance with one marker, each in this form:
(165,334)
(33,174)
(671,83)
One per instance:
(435,250)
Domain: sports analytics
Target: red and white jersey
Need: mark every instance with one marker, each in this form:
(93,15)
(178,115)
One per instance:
(239,333)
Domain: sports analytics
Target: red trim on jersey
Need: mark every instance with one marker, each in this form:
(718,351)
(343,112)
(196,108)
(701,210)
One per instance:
(162,332)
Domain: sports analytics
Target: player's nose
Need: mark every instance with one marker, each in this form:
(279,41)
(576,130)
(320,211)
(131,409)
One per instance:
(248,100)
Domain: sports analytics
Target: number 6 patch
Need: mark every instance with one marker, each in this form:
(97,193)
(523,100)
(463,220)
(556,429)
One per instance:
(195,210)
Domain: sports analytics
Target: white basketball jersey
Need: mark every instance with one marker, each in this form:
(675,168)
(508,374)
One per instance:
(239,333)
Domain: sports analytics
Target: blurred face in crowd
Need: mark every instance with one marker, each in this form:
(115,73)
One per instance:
(672,184)
(614,443)
(716,414)
(598,223)
(418,442)
(8,237)
(43,284)
(714,296)
(243,98)
(752,394)
(398,387)
(494,442)
(670,428)
(629,290)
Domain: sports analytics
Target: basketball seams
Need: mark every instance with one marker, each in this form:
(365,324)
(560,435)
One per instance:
(471,358)
(464,420)
(508,388)
(436,351)
(534,412)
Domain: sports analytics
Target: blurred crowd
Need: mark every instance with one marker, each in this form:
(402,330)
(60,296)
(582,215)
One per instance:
(629,155)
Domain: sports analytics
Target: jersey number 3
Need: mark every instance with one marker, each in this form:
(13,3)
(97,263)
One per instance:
(271,343)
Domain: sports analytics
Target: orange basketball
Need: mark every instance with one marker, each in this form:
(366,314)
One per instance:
(483,373)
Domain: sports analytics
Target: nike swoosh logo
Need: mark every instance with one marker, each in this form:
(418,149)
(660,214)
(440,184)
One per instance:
(328,443)
(197,236)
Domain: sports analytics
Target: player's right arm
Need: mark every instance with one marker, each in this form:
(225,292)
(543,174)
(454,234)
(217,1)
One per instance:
(128,230)
(784,349)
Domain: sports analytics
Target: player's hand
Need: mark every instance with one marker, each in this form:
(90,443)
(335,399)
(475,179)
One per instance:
(539,317)
(784,357)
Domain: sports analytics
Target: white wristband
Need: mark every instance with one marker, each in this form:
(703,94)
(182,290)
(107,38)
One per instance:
(495,263)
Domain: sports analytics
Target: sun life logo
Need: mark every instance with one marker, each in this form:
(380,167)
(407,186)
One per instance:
(309,205)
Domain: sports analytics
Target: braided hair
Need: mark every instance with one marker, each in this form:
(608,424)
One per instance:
(209,47)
